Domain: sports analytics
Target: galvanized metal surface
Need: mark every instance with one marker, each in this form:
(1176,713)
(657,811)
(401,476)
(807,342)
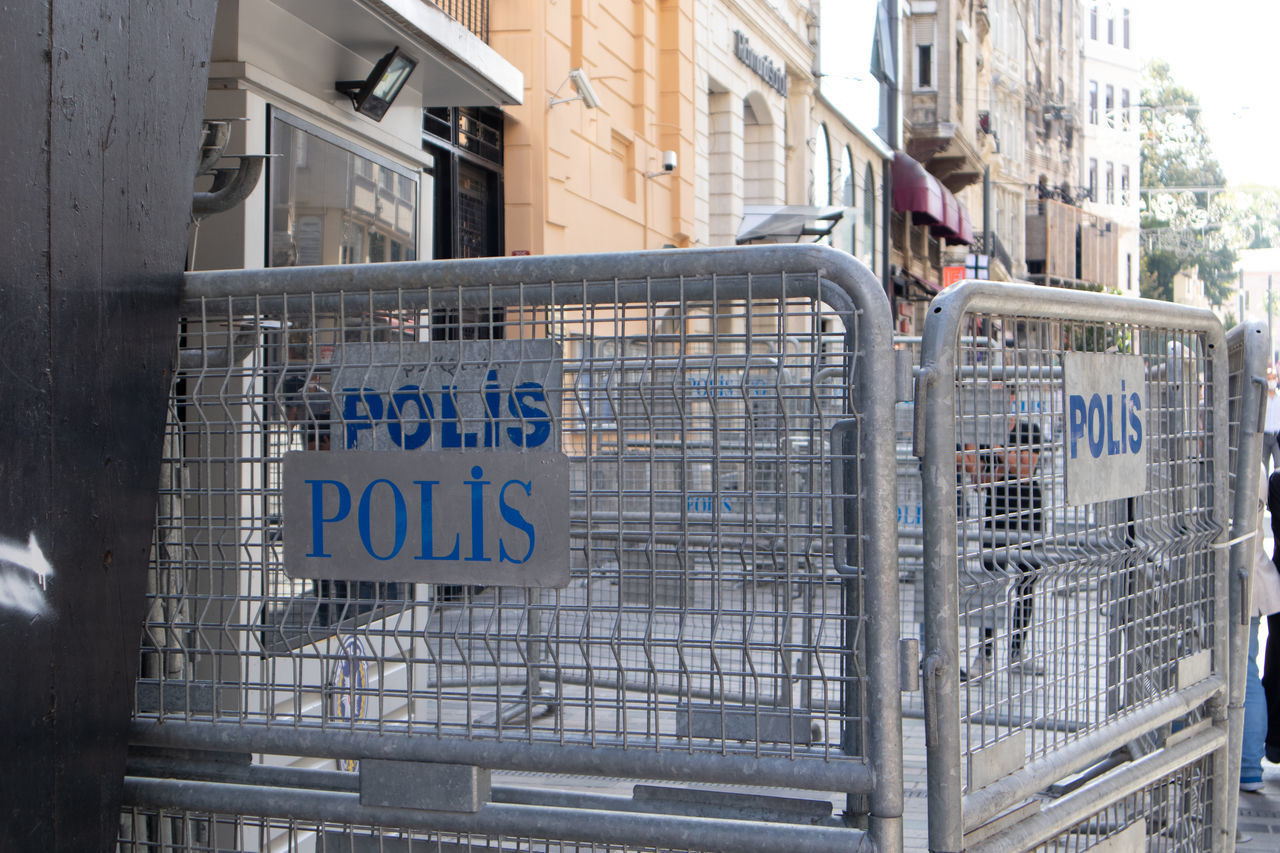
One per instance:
(1248,352)
(731,609)
(1111,602)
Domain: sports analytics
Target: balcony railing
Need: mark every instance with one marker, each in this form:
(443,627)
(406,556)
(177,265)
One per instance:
(472,14)
(1070,246)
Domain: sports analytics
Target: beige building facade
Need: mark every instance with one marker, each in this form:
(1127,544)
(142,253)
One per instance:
(705,127)
(1112,148)
(585,173)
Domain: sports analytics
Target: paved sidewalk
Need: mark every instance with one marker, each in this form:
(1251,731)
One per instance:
(1259,822)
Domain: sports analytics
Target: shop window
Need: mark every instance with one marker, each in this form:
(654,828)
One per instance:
(332,202)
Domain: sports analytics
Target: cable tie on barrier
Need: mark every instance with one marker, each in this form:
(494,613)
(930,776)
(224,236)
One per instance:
(1232,543)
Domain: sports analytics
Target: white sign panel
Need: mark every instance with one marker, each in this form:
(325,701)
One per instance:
(1106,426)
(448,395)
(497,518)
(444,467)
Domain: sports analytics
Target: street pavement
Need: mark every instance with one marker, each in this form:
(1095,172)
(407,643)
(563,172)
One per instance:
(1259,821)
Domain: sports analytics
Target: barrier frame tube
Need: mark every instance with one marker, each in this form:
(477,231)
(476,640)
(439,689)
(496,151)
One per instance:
(935,392)
(1250,344)
(839,280)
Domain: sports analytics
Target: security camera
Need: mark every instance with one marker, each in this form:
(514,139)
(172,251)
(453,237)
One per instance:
(583,87)
(668,161)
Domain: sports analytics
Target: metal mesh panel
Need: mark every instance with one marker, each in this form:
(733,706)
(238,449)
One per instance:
(715,614)
(1248,351)
(702,542)
(1091,619)
(1173,815)
(1073,615)
(223,833)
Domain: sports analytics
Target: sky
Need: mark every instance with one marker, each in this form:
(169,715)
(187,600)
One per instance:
(1227,52)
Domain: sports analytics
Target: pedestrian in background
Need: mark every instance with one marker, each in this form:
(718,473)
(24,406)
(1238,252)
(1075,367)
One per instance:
(1271,429)
(1013,519)
(1260,708)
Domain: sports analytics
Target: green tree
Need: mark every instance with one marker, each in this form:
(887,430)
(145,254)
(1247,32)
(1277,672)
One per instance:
(1182,228)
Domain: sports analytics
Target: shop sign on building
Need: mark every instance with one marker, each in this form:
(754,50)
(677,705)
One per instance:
(775,76)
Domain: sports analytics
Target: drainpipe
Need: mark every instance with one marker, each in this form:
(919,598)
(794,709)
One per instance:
(986,217)
(229,187)
(895,144)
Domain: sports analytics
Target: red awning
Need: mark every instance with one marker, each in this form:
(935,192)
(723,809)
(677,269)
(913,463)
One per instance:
(955,228)
(964,233)
(950,216)
(929,201)
(915,190)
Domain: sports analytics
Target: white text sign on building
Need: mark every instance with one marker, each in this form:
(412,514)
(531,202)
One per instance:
(1105,426)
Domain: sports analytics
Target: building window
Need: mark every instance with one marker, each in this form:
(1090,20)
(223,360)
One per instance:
(1111,29)
(1111,183)
(822,167)
(332,202)
(849,198)
(1110,105)
(1124,108)
(1093,22)
(1093,102)
(1124,34)
(959,96)
(924,66)
(1092,179)
(465,147)
(1124,185)
(924,31)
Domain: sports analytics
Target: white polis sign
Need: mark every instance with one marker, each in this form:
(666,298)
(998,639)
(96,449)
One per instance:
(445,469)
(1106,434)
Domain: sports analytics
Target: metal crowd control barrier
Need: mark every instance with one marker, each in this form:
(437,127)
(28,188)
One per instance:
(724,613)
(1248,352)
(1076,662)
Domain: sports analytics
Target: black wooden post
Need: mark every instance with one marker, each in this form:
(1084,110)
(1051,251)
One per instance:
(102,108)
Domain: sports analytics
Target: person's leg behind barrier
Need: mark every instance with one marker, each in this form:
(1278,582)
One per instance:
(1271,687)
(1021,658)
(1255,719)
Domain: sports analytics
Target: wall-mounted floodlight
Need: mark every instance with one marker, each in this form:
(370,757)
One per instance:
(581,85)
(373,95)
